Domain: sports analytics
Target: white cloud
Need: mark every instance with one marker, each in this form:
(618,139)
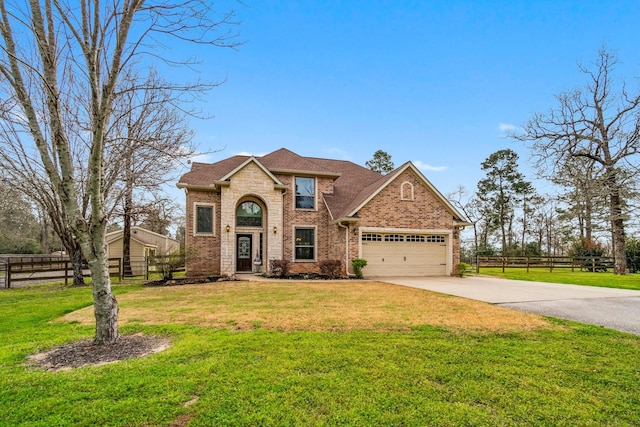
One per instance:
(425,167)
(507,127)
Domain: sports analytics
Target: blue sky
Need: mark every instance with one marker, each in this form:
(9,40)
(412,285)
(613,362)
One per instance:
(434,82)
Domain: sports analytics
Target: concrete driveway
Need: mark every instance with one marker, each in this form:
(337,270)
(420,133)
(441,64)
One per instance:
(612,308)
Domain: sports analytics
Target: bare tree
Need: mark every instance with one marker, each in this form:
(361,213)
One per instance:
(584,197)
(27,176)
(148,141)
(600,123)
(18,224)
(60,65)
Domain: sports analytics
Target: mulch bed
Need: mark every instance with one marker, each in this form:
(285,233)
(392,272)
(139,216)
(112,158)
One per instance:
(210,279)
(86,353)
(188,281)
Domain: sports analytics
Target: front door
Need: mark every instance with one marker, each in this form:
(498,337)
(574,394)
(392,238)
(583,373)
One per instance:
(243,252)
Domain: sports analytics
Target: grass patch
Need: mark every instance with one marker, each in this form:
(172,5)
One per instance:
(584,278)
(402,373)
(311,306)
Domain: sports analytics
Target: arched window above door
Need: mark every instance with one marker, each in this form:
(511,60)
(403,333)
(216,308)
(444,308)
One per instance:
(249,214)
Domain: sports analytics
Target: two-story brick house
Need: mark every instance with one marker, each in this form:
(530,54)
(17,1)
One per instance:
(244,211)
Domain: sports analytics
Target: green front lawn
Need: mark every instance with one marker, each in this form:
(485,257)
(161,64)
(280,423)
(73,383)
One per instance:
(564,275)
(564,374)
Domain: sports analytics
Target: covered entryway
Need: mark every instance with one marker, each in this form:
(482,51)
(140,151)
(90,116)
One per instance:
(249,235)
(399,254)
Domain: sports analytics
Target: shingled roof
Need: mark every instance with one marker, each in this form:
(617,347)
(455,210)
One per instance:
(353,184)
(206,174)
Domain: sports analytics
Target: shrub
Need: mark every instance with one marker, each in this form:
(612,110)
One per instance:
(462,267)
(589,253)
(332,268)
(168,264)
(587,248)
(358,264)
(279,267)
(632,248)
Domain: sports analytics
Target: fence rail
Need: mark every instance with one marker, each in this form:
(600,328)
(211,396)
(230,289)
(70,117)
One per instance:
(583,263)
(39,269)
(23,270)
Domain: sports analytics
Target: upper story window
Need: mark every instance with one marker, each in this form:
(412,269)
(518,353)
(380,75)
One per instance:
(249,214)
(203,219)
(305,193)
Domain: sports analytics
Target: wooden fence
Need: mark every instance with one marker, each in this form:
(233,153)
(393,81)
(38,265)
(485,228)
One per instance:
(29,270)
(584,263)
(40,269)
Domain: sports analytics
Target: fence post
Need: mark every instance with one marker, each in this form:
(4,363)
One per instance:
(528,260)
(504,262)
(477,264)
(66,273)
(8,273)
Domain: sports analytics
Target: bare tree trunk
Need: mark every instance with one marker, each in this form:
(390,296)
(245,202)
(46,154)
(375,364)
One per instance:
(475,237)
(524,224)
(77,260)
(617,226)
(504,233)
(104,303)
(588,213)
(44,231)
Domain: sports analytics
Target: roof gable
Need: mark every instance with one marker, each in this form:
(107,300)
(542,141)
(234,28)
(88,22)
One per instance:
(252,160)
(119,235)
(372,190)
(141,235)
(205,175)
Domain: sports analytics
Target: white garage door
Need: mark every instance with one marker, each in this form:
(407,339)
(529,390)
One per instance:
(404,254)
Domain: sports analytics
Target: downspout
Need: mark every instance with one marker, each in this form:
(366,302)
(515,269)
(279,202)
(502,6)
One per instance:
(346,243)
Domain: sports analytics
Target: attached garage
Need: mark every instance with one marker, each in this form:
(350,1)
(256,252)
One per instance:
(405,254)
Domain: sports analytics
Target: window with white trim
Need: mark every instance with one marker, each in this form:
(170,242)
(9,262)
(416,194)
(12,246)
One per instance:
(435,239)
(394,238)
(305,192)
(305,243)
(415,238)
(203,219)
